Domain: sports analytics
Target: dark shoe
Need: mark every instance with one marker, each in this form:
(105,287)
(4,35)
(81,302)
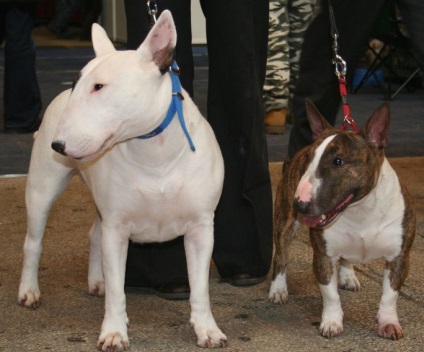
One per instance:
(178,289)
(61,34)
(241,280)
(22,130)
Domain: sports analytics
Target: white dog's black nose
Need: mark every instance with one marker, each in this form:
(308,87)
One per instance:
(59,146)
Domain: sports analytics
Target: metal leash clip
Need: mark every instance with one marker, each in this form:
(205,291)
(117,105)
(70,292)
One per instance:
(339,63)
(340,70)
(152,9)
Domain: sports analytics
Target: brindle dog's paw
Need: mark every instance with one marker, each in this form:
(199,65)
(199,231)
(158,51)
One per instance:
(391,331)
(350,283)
(278,290)
(331,329)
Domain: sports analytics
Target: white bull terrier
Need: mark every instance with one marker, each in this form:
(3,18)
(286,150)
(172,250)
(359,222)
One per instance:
(163,184)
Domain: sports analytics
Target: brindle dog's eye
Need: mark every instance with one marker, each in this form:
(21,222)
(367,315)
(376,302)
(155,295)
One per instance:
(98,86)
(338,162)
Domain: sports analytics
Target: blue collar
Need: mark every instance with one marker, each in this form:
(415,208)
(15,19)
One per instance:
(175,107)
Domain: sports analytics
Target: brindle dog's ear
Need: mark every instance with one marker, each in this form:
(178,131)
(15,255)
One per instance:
(377,127)
(317,122)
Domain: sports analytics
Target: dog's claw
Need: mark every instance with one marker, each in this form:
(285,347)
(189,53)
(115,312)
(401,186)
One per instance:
(224,343)
(391,331)
(331,329)
(34,304)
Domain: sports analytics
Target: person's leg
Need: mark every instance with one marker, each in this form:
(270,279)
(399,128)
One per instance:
(277,68)
(161,265)
(237,36)
(299,16)
(64,10)
(3,11)
(90,12)
(22,98)
(412,12)
(317,80)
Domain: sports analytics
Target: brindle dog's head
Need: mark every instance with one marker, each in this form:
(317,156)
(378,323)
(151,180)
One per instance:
(344,166)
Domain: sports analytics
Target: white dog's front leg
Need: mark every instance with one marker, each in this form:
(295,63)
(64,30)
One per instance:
(47,179)
(96,283)
(388,322)
(198,243)
(332,314)
(114,335)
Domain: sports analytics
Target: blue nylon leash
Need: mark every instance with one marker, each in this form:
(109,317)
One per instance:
(176,107)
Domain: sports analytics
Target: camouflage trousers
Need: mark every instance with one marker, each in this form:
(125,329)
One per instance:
(288,21)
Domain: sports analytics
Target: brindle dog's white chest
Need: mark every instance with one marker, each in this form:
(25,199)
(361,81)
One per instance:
(370,228)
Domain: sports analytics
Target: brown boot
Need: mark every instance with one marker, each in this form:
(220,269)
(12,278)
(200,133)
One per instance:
(275,121)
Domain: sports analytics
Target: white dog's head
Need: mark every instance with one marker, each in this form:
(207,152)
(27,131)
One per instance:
(119,94)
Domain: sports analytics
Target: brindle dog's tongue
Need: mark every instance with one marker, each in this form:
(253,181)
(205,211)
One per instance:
(312,221)
(325,219)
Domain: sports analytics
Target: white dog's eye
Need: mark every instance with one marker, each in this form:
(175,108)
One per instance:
(98,86)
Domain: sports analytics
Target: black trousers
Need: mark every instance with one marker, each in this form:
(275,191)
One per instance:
(355,21)
(237,36)
(22,98)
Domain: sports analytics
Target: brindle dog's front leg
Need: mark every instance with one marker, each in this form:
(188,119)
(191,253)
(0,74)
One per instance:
(325,271)
(395,275)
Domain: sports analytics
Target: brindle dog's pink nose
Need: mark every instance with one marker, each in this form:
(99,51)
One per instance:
(59,146)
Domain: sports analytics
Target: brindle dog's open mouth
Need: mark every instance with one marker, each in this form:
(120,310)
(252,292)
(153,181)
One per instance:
(324,219)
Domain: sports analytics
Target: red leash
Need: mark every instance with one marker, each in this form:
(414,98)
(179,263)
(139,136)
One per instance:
(340,70)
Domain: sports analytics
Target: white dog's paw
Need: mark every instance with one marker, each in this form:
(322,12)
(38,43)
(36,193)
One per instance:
(96,288)
(113,341)
(350,283)
(331,328)
(114,334)
(30,299)
(207,332)
(278,290)
(209,336)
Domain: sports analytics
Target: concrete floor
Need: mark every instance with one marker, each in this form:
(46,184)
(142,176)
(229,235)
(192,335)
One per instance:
(69,319)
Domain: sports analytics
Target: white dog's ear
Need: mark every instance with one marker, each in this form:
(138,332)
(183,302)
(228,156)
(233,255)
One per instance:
(159,44)
(101,42)
(317,122)
(377,127)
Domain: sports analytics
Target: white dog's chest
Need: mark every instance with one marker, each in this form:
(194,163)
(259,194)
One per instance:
(151,208)
(163,214)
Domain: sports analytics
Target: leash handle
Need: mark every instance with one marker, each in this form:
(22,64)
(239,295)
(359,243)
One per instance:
(340,70)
